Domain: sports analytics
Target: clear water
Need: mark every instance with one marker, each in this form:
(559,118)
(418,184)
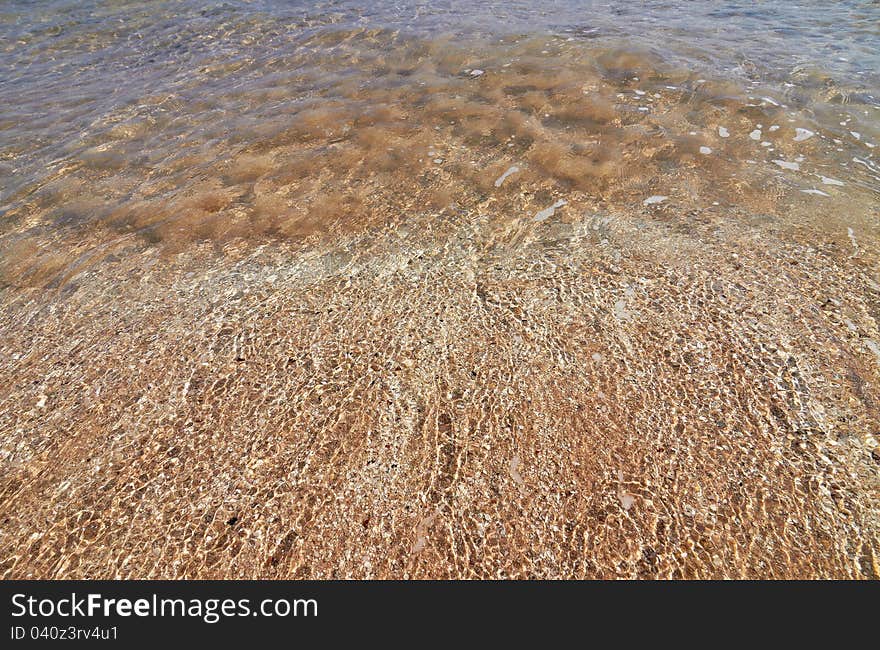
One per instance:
(149,78)
(439,289)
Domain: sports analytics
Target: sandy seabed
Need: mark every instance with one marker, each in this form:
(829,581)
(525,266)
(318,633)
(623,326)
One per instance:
(361,346)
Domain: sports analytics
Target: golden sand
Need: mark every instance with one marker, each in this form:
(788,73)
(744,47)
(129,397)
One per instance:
(329,343)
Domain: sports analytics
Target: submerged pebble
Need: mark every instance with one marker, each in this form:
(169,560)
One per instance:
(548,212)
(803,134)
(621,312)
(787,165)
(511,170)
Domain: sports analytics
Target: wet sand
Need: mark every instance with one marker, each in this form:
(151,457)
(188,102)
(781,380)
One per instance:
(534,310)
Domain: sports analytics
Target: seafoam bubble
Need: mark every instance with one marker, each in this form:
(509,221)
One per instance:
(723,132)
(656,198)
(787,165)
(705,150)
(773,128)
(802,134)
(755,135)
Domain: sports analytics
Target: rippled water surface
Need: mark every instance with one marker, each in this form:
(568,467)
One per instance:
(440,289)
(126,116)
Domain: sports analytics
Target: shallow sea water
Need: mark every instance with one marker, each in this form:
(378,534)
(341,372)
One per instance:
(447,289)
(151,120)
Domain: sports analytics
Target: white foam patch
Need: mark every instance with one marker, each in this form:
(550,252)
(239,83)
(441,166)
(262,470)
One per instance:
(723,132)
(816,192)
(705,151)
(656,198)
(755,135)
(830,181)
(803,134)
